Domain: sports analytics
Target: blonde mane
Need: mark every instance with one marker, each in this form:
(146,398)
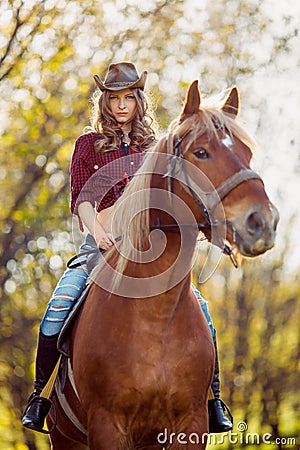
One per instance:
(131,213)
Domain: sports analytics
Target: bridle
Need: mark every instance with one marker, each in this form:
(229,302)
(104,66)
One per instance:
(206,201)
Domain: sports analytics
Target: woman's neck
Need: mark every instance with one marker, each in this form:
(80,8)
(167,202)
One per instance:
(126,130)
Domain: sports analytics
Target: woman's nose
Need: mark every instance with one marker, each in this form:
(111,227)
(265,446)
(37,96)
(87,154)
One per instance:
(121,104)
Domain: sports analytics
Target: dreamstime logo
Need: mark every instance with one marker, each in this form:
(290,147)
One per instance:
(241,437)
(140,197)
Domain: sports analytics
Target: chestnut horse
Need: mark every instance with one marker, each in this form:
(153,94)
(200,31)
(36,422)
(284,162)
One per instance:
(142,356)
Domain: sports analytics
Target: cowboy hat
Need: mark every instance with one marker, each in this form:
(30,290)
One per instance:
(121,75)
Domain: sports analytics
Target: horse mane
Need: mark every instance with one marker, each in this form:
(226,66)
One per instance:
(131,214)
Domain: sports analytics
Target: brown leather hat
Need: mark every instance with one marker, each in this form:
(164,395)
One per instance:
(121,75)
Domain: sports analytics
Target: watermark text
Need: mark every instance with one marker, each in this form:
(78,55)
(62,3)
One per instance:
(241,436)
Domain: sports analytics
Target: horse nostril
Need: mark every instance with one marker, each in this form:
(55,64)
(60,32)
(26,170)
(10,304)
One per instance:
(254,223)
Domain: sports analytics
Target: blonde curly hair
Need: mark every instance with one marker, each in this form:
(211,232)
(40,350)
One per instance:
(144,125)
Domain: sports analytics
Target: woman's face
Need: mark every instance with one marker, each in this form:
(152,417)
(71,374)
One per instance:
(123,105)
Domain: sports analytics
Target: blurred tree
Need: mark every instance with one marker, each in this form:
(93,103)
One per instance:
(48,51)
(256,311)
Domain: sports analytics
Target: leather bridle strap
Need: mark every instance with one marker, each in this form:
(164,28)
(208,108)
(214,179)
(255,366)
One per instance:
(232,182)
(206,201)
(213,198)
(176,153)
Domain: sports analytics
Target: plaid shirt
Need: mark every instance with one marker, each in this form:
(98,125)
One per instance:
(96,177)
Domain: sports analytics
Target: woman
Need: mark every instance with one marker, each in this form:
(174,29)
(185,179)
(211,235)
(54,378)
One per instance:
(123,130)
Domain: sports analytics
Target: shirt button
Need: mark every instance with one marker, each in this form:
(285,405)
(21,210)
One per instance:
(96,166)
(132,163)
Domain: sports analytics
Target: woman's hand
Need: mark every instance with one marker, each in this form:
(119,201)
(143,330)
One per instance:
(104,240)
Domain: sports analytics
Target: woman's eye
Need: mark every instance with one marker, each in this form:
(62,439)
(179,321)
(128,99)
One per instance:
(201,153)
(130,97)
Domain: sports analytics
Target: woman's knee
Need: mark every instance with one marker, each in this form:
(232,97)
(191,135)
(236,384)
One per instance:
(55,315)
(66,293)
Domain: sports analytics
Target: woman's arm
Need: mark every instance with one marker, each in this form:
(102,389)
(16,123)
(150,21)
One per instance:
(89,217)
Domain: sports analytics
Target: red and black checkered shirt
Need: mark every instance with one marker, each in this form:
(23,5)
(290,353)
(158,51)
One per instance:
(100,177)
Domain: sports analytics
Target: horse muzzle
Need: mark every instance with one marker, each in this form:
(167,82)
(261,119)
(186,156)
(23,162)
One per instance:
(255,233)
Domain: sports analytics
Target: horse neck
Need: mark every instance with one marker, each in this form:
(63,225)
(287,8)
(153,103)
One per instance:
(172,272)
(170,262)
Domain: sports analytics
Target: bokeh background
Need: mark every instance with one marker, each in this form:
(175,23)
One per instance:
(48,52)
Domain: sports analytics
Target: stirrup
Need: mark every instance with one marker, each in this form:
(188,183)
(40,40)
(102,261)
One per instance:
(47,403)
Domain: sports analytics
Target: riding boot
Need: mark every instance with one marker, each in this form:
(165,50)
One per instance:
(218,421)
(38,407)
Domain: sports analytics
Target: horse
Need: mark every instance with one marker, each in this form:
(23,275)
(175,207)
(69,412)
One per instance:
(142,356)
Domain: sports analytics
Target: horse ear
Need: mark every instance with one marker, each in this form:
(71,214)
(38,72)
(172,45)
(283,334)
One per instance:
(192,100)
(232,103)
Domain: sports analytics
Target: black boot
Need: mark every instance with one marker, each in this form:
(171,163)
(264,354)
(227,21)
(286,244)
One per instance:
(218,421)
(38,407)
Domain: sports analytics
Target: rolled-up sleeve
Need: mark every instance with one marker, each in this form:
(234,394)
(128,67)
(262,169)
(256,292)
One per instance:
(80,172)
(96,177)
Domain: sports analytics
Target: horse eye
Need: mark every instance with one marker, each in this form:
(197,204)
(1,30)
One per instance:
(201,153)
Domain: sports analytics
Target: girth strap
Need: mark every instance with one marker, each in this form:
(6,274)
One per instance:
(67,409)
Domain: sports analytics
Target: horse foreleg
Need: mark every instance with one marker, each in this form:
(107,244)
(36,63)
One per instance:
(102,433)
(152,447)
(61,442)
(194,437)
